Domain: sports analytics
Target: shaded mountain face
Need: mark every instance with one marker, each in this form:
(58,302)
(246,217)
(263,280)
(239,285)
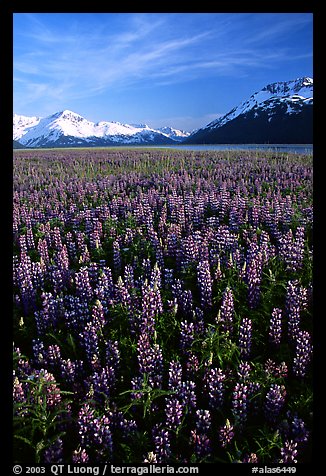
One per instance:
(17,145)
(68,129)
(280,113)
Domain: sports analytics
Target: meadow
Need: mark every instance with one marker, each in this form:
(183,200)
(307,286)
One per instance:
(162,306)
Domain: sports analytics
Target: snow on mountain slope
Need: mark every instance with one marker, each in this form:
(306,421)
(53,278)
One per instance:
(65,126)
(300,89)
(174,134)
(21,124)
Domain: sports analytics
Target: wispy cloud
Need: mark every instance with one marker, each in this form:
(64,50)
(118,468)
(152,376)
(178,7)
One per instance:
(84,56)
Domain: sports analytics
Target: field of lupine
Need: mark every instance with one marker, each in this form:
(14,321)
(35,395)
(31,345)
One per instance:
(162,306)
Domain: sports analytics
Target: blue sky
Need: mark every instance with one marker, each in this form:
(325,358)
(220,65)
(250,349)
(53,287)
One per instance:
(177,69)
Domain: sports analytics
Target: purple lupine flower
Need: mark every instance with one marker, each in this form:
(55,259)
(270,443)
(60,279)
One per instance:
(254,389)
(25,283)
(137,386)
(68,370)
(186,303)
(51,392)
(190,249)
(254,274)
(289,452)
(116,257)
(204,279)
(71,246)
(295,302)
(57,281)
(226,434)
(168,277)
(112,354)
(54,453)
(240,403)
(56,238)
(105,287)
(271,368)
(267,249)
(187,394)
(85,256)
(18,391)
(299,431)
(201,442)
(98,318)
(199,322)
(174,412)
(151,307)
(62,262)
(203,421)
(214,382)
(162,444)
(176,289)
(187,336)
(90,341)
(42,248)
(102,383)
(298,248)
(245,332)
(103,437)
(23,366)
(129,277)
(292,250)
(294,428)
(18,397)
(281,370)
(243,372)
(94,432)
(226,312)
(83,286)
(192,366)
(274,402)
(38,275)
(155,278)
(80,456)
(218,273)
(48,316)
(53,356)
(275,327)
(53,395)
(38,352)
(303,354)
(175,375)
(119,423)
(121,294)
(147,268)
(150,360)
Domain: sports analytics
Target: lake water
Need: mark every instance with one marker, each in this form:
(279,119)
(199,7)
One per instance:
(294,148)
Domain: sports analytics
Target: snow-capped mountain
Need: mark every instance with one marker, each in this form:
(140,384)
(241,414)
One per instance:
(174,134)
(22,124)
(279,113)
(66,128)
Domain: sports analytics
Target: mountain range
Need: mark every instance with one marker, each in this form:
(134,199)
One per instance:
(69,129)
(281,112)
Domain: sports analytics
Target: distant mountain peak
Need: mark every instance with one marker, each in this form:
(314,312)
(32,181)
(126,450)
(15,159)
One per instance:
(289,87)
(67,128)
(279,112)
